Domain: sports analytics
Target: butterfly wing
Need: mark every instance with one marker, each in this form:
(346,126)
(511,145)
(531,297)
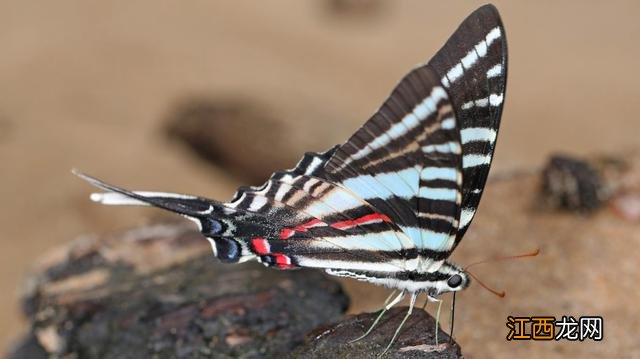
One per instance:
(319,224)
(472,66)
(388,199)
(294,220)
(406,162)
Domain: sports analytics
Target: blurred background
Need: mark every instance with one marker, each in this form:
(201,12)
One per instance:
(111,88)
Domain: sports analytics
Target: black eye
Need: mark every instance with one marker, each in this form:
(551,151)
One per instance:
(454,281)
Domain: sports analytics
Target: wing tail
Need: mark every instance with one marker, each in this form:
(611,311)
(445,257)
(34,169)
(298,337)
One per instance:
(187,205)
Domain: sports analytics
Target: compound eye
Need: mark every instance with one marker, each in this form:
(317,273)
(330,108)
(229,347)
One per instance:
(454,281)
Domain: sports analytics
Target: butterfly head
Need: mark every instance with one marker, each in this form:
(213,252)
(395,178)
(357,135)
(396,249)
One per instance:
(451,278)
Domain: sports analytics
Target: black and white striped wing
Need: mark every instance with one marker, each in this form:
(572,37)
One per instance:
(398,163)
(406,162)
(297,218)
(318,223)
(396,197)
(472,66)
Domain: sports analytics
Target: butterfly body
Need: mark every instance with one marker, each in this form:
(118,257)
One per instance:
(390,204)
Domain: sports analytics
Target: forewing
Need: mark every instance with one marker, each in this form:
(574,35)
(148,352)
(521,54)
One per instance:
(405,161)
(472,66)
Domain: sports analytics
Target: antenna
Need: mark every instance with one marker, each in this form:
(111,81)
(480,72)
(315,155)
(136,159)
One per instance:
(502,293)
(501,258)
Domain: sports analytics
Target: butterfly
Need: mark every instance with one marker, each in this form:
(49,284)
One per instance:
(389,205)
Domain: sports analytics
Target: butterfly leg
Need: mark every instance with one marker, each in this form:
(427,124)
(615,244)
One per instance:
(452,317)
(438,318)
(386,306)
(393,339)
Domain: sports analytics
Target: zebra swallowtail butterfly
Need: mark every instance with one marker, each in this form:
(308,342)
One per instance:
(390,204)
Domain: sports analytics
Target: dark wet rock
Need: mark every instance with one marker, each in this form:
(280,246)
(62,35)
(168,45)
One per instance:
(572,183)
(28,348)
(158,292)
(416,340)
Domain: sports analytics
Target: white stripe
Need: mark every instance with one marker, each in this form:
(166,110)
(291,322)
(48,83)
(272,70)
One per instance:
(119,199)
(445,81)
(235,203)
(471,57)
(475,160)
(116,199)
(164,194)
(448,124)
(206,211)
(214,248)
(494,34)
(265,188)
(494,71)
(472,134)
(443,194)
(260,188)
(455,73)
(481,48)
(495,99)
(288,179)
(282,190)
(448,147)
(257,203)
(483,102)
(408,285)
(409,121)
(394,265)
(313,165)
(435,173)
(466,215)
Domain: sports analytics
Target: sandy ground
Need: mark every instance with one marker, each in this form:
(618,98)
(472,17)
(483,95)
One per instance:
(89,85)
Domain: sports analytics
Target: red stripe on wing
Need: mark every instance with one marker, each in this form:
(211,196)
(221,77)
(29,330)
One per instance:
(288,232)
(283,261)
(260,245)
(368,219)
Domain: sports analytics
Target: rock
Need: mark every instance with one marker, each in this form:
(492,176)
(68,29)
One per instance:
(416,339)
(28,348)
(158,292)
(572,184)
